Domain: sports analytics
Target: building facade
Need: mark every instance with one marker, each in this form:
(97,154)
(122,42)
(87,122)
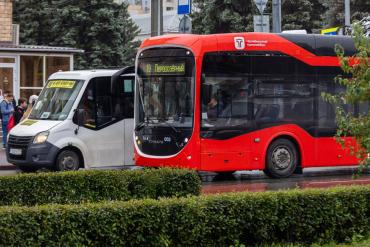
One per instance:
(24,69)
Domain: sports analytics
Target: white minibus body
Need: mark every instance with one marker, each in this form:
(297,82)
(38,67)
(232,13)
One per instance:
(79,121)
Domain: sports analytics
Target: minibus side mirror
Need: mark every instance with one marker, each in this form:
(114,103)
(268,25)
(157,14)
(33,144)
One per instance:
(79,118)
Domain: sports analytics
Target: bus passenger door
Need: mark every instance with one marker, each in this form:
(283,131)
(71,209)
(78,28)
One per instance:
(225,122)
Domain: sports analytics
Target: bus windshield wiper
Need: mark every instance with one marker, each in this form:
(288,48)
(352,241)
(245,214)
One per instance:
(164,120)
(140,126)
(146,122)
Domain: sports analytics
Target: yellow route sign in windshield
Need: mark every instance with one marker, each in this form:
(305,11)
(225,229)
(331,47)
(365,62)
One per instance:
(67,84)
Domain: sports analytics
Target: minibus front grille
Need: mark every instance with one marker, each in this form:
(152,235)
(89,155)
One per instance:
(19,141)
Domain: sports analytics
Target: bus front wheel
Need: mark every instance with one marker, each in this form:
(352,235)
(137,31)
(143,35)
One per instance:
(281,159)
(68,160)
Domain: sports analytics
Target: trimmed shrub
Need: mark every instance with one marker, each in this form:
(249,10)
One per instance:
(306,216)
(98,185)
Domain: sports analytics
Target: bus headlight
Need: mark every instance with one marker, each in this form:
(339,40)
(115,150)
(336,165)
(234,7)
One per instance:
(41,137)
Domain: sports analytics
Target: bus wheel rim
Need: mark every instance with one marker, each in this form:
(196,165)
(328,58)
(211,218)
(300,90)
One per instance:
(281,158)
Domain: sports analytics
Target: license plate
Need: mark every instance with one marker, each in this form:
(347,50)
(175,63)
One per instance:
(15,151)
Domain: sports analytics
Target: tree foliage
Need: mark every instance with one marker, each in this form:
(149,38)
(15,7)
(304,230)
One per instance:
(222,16)
(334,16)
(302,14)
(357,92)
(100,27)
(225,16)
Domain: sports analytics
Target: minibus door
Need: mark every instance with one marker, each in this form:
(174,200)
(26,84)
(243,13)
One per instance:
(123,84)
(100,131)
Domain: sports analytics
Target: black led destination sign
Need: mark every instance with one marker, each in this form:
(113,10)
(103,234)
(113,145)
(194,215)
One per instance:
(163,68)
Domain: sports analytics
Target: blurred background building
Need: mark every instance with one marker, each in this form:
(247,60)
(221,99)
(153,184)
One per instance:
(24,69)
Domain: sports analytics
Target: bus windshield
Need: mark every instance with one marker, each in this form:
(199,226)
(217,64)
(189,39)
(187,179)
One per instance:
(56,100)
(166,92)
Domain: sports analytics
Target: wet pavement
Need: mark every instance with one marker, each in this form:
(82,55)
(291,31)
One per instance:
(256,181)
(4,165)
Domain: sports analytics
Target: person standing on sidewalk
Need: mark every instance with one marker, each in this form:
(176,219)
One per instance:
(31,103)
(7,109)
(19,110)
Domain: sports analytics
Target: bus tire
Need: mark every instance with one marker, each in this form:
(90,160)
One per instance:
(281,159)
(67,160)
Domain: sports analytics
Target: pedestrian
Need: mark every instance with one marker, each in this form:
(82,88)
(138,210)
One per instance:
(32,100)
(19,110)
(13,100)
(7,109)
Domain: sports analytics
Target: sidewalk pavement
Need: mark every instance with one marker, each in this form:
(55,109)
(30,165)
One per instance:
(4,165)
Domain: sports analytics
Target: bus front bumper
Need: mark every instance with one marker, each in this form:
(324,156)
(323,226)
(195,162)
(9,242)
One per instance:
(34,155)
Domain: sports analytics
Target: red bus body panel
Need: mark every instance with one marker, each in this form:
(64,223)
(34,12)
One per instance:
(245,152)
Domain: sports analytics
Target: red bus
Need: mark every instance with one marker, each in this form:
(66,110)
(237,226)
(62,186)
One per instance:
(239,101)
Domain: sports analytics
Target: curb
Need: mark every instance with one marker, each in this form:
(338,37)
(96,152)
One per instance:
(7,167)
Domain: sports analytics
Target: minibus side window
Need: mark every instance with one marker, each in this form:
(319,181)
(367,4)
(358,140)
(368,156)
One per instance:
(97,104)
(123,102)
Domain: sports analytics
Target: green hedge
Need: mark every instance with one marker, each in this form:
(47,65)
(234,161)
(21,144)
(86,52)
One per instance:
(95,186)
(219,220)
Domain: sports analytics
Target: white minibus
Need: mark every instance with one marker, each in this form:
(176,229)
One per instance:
(82,119)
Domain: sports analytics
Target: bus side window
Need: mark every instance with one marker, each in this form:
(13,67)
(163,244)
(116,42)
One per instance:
(364,108)
(326,111)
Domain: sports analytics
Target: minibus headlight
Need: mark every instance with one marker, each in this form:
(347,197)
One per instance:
(41,137)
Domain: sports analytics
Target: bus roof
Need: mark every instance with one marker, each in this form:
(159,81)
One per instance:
(305,47)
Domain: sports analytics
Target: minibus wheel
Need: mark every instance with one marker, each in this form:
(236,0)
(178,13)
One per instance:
(281,158)
(67,160)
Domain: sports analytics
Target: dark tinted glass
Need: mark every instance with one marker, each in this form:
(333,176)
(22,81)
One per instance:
(364,108)
(326,111)
(226,94)
(242,92)
(228,63)
(325,45)
(273,65)
(96,103)
(123,100)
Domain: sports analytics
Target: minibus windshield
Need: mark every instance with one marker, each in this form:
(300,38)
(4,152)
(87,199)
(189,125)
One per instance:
(56,100)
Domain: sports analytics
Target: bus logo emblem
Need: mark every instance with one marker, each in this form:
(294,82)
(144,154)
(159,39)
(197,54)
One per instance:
(239,43)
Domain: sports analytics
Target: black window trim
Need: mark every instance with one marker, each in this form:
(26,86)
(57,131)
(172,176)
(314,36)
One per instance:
(107,123)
